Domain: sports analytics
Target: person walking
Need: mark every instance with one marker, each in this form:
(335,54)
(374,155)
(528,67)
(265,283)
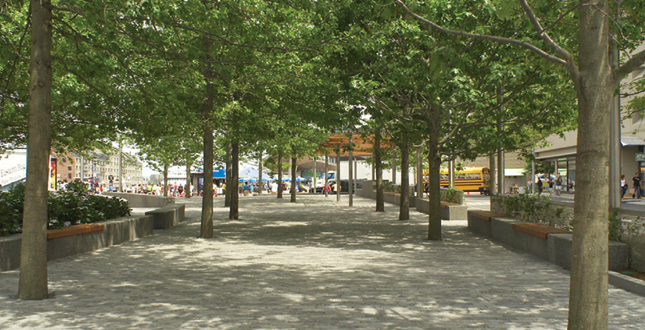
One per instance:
(623,186)
(539,186)
(558,185)
(636,181)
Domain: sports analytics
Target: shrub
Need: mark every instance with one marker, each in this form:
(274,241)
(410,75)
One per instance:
(64,208)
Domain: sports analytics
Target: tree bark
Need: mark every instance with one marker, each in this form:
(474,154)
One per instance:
(229,178)
(404,208)
(380,200)
(33,250)
(233,213)
(293,174)
(589,255)
(280,174)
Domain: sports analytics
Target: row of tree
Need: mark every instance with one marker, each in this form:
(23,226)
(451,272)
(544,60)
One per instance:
(207,81)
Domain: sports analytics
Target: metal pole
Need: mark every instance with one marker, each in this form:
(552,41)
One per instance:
(350,181)
(326,175)
(419,174)
(355,172)
(120,166)
(393,165)
(500,152)
(451,172)
(338,175)
(314,174)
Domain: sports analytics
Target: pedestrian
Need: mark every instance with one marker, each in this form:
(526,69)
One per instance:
(636,181)
(623,186)
(550,185)
(558,185)
(246,189)
(539,186)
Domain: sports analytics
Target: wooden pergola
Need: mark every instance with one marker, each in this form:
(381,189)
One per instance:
(360,146)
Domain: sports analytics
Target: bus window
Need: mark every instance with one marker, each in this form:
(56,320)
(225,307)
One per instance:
(478,176)
(461,176)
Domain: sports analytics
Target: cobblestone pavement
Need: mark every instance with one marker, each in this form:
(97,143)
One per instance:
(315,264)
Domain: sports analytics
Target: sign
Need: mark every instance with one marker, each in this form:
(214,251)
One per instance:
(53,184)
(639,157)
(13,166)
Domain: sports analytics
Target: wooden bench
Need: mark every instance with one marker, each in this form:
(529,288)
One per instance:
(537,229)
(74,230)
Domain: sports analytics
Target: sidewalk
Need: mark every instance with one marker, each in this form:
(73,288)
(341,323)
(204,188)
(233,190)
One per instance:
(315,264)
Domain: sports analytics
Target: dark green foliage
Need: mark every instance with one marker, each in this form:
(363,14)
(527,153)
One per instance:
(64,208)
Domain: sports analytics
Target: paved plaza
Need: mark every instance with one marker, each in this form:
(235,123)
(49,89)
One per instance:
(315,264)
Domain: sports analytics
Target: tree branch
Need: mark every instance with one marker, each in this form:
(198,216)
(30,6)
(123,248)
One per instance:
(629,66)
(543,35)
(528,46)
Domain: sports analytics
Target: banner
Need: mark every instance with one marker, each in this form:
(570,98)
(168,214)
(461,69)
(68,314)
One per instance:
(52,174)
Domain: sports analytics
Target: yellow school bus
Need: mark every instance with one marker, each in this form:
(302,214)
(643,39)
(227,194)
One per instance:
(467,179)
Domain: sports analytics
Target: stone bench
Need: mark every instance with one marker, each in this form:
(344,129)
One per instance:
(479,221)
(78,239)
(452,211)
(549,243)
(449,211)
(168,216)
(559,252)
(395,198)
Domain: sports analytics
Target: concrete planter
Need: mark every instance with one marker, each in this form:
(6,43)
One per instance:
(142,200)
(116,231)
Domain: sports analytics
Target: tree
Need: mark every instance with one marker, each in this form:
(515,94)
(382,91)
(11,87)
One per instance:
(33,252)
(595,80)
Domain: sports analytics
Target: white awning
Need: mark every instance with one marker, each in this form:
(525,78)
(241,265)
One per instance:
(631,140)
(513,172)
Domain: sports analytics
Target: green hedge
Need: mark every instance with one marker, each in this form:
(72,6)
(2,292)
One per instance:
(69,207)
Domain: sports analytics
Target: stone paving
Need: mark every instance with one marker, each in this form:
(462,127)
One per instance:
(315,264)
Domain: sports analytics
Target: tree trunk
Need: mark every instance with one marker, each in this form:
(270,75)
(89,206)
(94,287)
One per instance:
(293,174)
(589,255)
(404,209)
(165,180)
(229,178)
(380,200)
(434,161)
(233,213)
(206,228)
(280,174)
(33,249)
(188,183)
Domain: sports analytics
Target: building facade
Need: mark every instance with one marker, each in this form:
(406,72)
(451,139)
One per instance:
(561,151)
